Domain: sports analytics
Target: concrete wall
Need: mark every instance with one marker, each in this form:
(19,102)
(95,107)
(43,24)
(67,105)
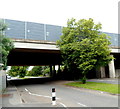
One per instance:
(0,89)
(117,73)
(2,81)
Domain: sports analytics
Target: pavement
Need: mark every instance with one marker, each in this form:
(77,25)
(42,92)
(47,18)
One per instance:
(106,80)
(12,98)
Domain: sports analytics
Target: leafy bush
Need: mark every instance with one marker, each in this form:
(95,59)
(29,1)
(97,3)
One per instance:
(36,71)
(39,71)
(13,74)
(18,70)
(31,73)
(46,71)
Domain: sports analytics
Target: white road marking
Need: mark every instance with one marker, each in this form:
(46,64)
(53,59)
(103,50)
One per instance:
(38,94)
(29,93)
(63,105)
(82,104)
(26,90)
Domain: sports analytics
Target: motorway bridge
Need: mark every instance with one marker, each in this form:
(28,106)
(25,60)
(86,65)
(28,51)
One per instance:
(32,53)
(35,44)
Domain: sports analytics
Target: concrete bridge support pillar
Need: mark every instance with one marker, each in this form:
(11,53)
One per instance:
(98,73)
(59,69)
(50,70)
(54,71)
(112,69)
(102,69)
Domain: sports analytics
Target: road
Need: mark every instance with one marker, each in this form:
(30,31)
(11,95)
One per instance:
(36,92)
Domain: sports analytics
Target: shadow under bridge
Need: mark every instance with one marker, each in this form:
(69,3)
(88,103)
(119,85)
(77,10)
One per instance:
(28,53)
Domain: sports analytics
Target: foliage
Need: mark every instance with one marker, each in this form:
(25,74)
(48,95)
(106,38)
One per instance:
(18,71)
(83,46)
(22,71)
(36,71)
(6,45)
(13,74)
(46,70)
(39,71)
(62,68)
(13,71)
(30,73)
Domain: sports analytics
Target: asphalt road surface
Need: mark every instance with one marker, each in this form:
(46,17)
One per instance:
(37,92)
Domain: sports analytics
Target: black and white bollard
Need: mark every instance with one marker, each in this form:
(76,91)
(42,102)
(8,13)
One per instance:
(53,96)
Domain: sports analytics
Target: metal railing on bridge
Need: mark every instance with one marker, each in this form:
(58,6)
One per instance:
(38,31)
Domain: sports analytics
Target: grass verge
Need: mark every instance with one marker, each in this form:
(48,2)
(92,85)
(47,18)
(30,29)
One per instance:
(105,87)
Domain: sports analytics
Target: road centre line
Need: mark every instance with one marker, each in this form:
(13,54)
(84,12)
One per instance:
(82,104)
(38,94)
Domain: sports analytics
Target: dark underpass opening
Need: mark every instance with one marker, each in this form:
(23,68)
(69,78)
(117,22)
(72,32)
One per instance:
(34,57)
(30,81)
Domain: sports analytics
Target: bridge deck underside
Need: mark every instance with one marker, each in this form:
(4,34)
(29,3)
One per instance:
(33,57)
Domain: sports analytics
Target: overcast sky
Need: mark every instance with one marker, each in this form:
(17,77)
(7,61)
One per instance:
(57,12)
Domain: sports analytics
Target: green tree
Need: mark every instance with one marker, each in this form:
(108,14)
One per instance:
(39,70)
(18,71)
(14,71)
(84,46)
(45,70)
(6,45)
(22,71)
(36,71)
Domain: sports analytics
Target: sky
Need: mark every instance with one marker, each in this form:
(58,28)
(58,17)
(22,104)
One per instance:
(57,12)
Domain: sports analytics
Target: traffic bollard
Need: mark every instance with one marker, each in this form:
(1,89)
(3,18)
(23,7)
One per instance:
(53,96)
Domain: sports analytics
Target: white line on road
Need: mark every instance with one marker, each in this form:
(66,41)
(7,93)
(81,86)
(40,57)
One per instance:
(63,105)
(38,95)
(82,104)
(26,90)
(29,92)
